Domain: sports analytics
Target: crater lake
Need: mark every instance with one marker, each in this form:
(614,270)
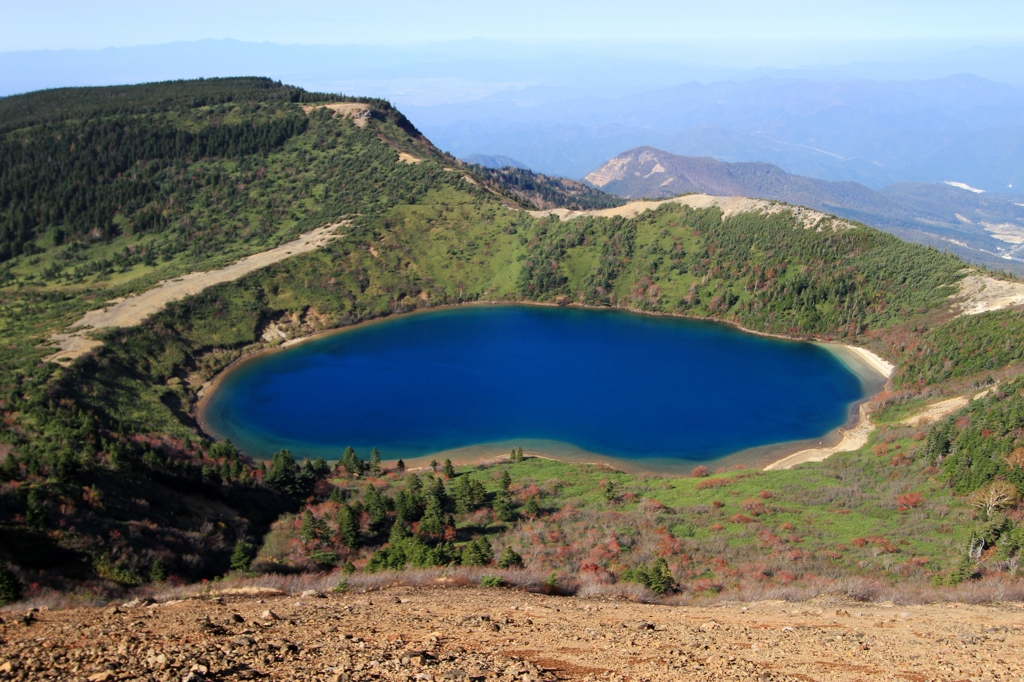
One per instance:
(477,380)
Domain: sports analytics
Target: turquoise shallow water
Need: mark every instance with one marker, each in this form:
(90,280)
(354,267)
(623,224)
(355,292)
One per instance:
(622,385)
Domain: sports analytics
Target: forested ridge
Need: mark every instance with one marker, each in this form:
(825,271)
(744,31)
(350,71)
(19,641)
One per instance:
(107,481)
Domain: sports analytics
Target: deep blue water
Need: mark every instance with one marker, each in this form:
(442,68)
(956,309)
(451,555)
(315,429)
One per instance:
(608,382)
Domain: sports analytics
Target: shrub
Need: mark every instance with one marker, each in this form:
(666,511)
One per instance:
(658,578)
(10,586)
(510,559)
(157,572)
(699,472)
(908,501)
(242,557)
(491,581)
(477,553)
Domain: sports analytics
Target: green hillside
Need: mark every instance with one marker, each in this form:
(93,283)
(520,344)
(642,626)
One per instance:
(107,482)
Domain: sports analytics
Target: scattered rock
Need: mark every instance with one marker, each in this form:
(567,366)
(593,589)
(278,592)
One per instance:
(709,626)
(105,676)
(268,615)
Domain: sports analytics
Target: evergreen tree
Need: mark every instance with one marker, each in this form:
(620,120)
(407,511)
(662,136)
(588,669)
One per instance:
(477,553)
(313,530)
(506,482)
(448,470)
(157,572)
(282,475)
(348,527)
(532,508)
(10,586)
(376,504)
(609,491)
(374,462)
(504,509)
(433,522)
(519,454)
(433,465)
(242,556)
(353,465)
(510,559)
(400,466)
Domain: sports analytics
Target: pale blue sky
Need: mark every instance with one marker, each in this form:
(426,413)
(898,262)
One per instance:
(56,24)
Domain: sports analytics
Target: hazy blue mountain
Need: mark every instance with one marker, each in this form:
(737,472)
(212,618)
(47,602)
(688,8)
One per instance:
(565,109)
(959,128)
(496,161)
(981,226)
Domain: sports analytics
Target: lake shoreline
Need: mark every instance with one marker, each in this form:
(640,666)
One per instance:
(872,370)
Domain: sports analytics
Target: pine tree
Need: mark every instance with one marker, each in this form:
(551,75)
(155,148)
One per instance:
(506,482)
(477,553)
(242,556)
(400,466)
(374,462)
(283,473)
(462,495)
(448,470)
(531,508)
(348,527)
(10,586)
(352,463)
(313,530)
(609,491)
(510,559)
(504,509)
(519,454)
(433,522)
(157,572)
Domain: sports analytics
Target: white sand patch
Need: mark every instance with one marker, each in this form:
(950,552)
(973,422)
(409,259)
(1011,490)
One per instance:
(875,362)
(981,294)
(406,157)
(853,439)
(137,308)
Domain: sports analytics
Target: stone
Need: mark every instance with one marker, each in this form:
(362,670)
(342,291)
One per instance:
(268,615)
(104,676)
(709,626)
(311,594)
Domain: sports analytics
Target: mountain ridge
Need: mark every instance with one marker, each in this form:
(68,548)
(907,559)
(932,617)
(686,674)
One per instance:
(983,227)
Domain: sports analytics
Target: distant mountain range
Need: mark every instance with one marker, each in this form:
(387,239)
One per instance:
(981,226)
(961,128)
(497,161)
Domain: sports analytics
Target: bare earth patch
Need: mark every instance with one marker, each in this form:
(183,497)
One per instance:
(359,113)
(729,206)
(135,309)
(440,634)
(981,294)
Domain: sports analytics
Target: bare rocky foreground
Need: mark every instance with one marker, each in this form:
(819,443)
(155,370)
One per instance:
(475,634)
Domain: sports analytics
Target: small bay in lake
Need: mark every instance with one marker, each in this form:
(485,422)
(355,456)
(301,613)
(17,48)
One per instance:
(562,381)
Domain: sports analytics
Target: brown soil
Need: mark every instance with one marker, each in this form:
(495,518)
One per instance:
(473,634)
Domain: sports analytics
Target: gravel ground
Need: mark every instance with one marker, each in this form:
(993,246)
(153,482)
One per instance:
(475,634)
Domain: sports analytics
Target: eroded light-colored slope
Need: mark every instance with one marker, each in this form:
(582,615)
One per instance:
(729,206)
(981,294)
(135,309)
